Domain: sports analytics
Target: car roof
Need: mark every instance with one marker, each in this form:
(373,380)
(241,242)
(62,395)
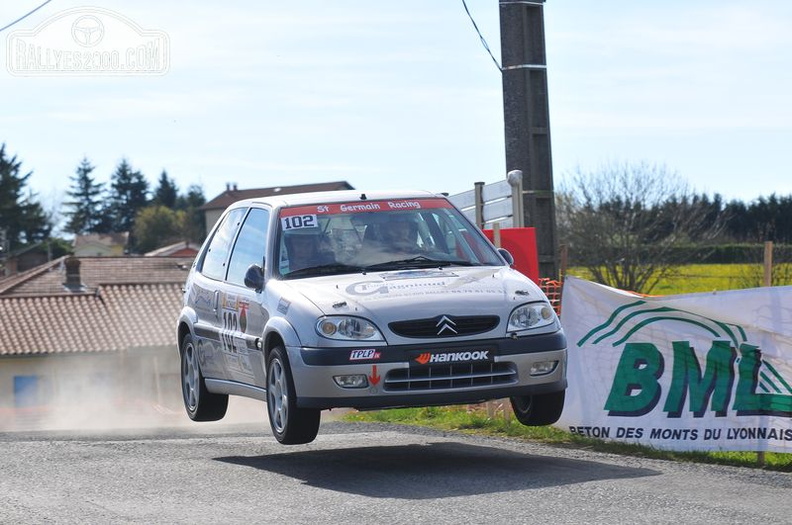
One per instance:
(326,197)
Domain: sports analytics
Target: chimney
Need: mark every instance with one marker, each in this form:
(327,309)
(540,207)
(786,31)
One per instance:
(73,280)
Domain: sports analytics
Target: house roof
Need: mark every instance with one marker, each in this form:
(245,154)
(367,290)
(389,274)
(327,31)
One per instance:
(49,278)
(179,249)
(231,195)
(126,302)
(113,318)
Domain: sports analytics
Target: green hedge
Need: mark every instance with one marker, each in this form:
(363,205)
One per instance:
(732,254)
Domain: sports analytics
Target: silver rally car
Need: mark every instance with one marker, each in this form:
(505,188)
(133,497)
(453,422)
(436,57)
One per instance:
(366,300)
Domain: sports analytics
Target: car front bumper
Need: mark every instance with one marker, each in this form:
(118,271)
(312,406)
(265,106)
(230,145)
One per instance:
(409,375)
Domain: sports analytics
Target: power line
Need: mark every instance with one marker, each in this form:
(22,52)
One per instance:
(481,37)
(24,16)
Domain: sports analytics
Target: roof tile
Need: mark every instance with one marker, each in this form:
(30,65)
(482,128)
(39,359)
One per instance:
(128,302)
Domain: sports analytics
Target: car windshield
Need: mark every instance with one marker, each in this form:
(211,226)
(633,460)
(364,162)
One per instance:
(326,239)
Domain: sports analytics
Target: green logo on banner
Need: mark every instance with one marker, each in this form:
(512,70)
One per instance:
(636,388)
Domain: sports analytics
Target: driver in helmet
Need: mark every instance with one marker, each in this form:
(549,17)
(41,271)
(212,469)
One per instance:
(305,249)
(399,234)
(395,238)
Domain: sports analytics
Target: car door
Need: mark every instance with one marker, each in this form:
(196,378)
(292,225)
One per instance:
(207,287)
(243,315)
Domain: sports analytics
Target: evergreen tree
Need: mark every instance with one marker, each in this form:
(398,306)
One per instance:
(764,219)
(194,198)
(167,192)
(36,224)
(22,218)
(128,195)
(84,215)
(194,228)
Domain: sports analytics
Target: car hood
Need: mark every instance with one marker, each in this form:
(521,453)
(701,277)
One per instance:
(385,296)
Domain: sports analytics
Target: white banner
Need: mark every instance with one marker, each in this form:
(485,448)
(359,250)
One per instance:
(706,371)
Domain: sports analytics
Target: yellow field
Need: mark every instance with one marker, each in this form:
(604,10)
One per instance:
(701,278)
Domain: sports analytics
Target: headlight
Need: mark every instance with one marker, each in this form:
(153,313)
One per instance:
(530,316)
(348,328)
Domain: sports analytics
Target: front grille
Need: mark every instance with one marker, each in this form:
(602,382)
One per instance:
(445,326)
(442,377)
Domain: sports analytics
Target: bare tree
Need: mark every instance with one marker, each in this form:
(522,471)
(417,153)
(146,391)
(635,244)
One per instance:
(627,222)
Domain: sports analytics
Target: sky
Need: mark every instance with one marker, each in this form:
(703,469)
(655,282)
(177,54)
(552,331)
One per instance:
(398,95)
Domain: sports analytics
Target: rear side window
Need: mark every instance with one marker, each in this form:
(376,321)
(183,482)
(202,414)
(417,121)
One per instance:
(214,262)
(250,245)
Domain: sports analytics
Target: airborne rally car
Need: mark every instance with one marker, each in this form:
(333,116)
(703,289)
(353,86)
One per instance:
(363,300)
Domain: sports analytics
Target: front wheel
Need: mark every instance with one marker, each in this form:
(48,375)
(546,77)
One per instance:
(290,425)
(539,409)
(201,405)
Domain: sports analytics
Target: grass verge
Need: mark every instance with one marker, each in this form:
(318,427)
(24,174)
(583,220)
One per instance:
(476,419)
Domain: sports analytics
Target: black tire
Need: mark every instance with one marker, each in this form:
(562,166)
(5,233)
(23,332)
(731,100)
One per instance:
(201,405)
(290,425)
(538,410)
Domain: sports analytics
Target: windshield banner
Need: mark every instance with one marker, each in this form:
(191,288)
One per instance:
(696,372)
(367,206)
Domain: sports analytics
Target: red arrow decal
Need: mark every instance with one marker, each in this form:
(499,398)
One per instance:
(374,377)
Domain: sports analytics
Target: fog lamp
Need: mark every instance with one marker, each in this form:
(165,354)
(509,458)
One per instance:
(543,368)
(351,381)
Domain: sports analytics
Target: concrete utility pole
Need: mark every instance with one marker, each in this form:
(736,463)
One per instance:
(527,121)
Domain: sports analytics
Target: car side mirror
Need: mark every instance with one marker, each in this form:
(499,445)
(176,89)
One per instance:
(506,255)
(254,277)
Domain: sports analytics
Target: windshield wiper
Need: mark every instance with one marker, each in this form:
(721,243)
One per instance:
(420,261)
(324,269)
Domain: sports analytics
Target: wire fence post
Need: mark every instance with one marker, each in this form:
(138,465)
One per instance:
(768,264)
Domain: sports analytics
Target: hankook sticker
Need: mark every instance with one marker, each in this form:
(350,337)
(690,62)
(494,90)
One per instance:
(467,356)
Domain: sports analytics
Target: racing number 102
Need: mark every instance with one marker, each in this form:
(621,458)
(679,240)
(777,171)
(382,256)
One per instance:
(299,221)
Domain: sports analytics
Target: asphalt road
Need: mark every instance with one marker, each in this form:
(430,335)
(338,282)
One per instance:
(360,473)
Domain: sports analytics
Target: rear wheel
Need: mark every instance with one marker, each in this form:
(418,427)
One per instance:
(539,409)
(201,405)
(290,425)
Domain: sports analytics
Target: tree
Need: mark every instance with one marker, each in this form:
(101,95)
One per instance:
(22,218)
(85,210)
(765,219)
(167,192)
(157,226)
(128,195)
(626,222)
(194,228)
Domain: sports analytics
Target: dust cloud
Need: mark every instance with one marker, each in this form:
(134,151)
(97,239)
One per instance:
(109,393)
(105,393)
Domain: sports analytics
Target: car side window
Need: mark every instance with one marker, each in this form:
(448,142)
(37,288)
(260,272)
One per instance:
(250,245)
(214,261)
